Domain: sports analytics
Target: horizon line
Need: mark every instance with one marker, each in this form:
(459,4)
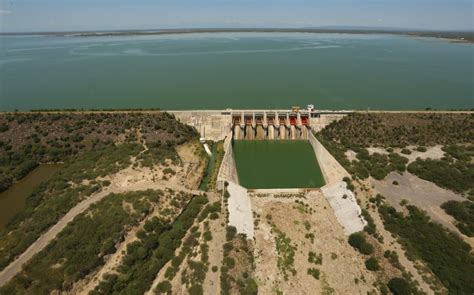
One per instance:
(243,29)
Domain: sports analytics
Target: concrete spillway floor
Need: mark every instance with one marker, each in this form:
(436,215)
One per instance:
(249,132)
(304,132)
(293,132)
(283,133)
(260,132)
(271,132)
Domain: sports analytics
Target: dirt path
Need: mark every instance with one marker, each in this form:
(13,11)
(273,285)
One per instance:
(212,282)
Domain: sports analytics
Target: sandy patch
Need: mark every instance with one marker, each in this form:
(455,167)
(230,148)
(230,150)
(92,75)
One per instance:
(329,240)
(193,163)
(351,155)
(240,210)
(345,207)
(421,193)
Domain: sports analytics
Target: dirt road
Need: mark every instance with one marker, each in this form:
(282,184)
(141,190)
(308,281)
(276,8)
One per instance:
(16,266)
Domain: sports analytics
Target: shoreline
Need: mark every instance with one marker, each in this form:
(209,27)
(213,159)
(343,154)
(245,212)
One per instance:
(457,36)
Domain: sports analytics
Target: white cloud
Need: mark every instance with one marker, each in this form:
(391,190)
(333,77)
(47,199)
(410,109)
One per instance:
(5,11)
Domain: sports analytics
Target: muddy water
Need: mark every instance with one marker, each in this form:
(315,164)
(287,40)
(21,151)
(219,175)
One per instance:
(13,200)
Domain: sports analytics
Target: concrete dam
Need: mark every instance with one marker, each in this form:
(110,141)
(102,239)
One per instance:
(270,125)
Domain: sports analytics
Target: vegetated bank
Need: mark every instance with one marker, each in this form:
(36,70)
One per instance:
(92,145)
(93,235)
(359,131)
(446,255)
(148,255)
(27,139)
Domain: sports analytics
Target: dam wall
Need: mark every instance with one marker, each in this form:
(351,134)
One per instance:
(318,123)
(340,198)
(257,124)
(227,170)
(211,125)
(330,167)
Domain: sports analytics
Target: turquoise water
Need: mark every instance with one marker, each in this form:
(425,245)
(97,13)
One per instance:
(237,70)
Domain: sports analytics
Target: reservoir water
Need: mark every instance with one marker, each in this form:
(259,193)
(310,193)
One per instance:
(236,70)
(277,164)
(13,200)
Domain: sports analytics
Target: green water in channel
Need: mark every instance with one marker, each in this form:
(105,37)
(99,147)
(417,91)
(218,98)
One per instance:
(277,164)
(236,70)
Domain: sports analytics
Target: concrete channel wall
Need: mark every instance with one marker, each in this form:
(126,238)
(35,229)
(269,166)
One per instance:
(341,199)
(228,170)
(211,125)
(331,169)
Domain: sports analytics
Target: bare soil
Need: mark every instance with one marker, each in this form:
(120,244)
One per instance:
(421,193)
(342,270)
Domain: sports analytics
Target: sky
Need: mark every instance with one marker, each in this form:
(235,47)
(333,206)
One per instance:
(80,15)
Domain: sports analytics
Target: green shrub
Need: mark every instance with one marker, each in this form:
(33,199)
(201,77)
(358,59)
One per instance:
(230,233)
(315,273)
(357,240)
(163,287)
(406,151)
(370,227)
(229,262)
(195,290)
(421,149)
(399,286)
(315,258)
(372,264)
(251,287)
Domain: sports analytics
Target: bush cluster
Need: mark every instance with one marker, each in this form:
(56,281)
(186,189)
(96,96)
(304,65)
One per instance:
(463,212)
(145,258)
(400,130)
(444,252)
(92,235)
(358,241)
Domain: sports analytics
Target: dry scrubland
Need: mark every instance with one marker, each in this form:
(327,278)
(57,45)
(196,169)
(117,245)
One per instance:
(414,175)
(124,193)
(127,202)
